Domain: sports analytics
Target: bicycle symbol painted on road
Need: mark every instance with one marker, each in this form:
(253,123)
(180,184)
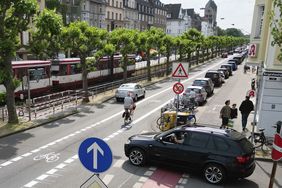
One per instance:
(49,157)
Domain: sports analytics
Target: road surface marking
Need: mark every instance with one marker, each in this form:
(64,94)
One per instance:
(70,160)
(17,158)
(6,163)
(35,151)
(119,163)
(31,184)
(108,178)
(51,144)
(138,185)
(153,168)
(75,157)
(43,147)
(146,115)
(52,171)
(143,179)
(26,154)
(60,166)
(42,177)
(148,173)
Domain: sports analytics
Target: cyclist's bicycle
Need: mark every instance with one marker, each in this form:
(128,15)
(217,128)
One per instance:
(128,116)
(259,140)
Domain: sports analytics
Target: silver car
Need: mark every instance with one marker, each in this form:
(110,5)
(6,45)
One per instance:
(136,90)
(201,94)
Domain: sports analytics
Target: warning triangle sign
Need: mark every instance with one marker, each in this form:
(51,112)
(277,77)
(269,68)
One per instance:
(180,72)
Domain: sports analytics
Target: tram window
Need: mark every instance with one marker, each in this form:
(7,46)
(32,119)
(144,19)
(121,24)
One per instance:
(63,70)
(75,69)
(38,73)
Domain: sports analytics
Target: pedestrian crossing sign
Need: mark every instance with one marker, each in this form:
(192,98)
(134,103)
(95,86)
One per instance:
(180,70)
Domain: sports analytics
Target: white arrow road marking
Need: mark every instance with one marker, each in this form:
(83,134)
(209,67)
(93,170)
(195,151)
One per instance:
(95,148)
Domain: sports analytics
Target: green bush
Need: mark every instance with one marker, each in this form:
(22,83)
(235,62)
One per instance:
(2,99)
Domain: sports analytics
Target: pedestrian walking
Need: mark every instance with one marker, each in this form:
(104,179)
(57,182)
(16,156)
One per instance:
(234,111)
(245,108)
(225,114)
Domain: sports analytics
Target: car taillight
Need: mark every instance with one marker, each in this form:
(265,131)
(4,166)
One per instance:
(184,94)
(242,159)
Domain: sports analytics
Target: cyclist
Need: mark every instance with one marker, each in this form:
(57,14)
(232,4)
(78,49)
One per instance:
(128,106)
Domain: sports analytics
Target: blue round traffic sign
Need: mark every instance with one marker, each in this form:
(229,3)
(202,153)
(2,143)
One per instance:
(95,155)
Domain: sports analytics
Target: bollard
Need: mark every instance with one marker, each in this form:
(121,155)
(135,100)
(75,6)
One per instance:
(35,113)
(62,105)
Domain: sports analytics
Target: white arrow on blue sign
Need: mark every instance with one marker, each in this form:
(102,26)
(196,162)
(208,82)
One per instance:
(95,155)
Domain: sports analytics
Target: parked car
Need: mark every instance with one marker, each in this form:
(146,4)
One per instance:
(230,52)
(226,72)
(240,58)
(215,76)
(206,83)
(136,90)
(233,63)
(217,153)
(228,67)
(237,61)
(224,55)
(201,94)
(222,75)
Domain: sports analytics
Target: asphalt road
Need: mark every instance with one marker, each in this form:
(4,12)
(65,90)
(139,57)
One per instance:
(22,162)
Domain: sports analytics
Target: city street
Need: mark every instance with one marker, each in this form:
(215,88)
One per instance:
(47,156)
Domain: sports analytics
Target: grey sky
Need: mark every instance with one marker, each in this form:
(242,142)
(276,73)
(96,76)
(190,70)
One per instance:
(237,12)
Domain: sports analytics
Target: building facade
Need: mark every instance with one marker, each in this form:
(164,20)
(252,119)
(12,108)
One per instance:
(94,12)
(210,15)
(145,14)
(178,20)
(131,14)
(206,28)
(114,14)
(160,13)
(196,20)
(269,76)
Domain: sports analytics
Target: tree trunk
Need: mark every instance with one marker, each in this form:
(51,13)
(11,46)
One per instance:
(111,67)
(124,67)
(197,57)
(149,66)
(167,64)
(84,79)
(10,88)
(189,59)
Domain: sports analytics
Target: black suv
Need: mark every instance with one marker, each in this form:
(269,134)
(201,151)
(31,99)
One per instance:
(217,153)
(215,76)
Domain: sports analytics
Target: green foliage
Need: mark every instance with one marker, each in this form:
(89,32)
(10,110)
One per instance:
(46,38)
(53,4)
(234,32)
(277,27)
(2,98)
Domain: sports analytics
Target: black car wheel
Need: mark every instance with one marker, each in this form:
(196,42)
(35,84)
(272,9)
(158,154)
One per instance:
(214,173)
(137,157)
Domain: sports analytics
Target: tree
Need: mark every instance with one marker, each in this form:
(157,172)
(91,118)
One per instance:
(47,35)
(169,44)
(124,40)
(15,17)
(220,32)
(147,40)
(277,27)
(109,50)
(82,39)
(234,32)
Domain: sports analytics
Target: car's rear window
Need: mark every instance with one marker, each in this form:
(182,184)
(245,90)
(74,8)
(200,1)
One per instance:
(246,145)
(126,86)
(211,75)
(188,90)
(200,82)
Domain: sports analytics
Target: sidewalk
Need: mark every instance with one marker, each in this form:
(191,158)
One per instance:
(245,80)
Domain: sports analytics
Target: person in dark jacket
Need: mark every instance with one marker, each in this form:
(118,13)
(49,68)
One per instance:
(225,114)
(234,111)
(245,108)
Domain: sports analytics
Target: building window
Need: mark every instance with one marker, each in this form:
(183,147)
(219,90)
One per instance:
(112,15)
(116,16)
(259,21)
(108,14)
(120,4)
(119,16)
(113,2)
(116,3)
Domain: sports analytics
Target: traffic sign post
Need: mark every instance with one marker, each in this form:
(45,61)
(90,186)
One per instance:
(180,70)
(95,155)
(178,88)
